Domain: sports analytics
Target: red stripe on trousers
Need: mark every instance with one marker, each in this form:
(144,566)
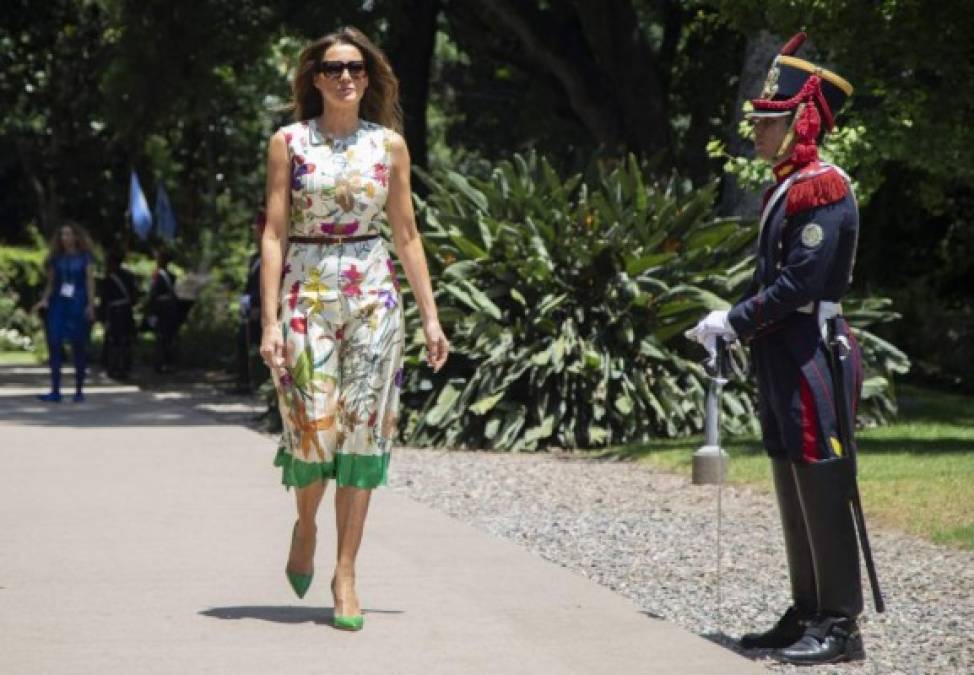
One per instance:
(810,445)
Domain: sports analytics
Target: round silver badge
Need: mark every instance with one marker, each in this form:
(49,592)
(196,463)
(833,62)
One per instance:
(812,235)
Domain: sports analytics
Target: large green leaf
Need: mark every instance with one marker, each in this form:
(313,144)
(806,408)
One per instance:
(445,401)
(461,184)
(484,405)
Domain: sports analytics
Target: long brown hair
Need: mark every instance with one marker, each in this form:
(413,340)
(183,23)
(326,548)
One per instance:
(380,103)
(81,238)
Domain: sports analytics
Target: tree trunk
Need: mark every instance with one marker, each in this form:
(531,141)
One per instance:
(629,64)
(48,211)
(758,54)
(611,76)
(545,45)
(411,53)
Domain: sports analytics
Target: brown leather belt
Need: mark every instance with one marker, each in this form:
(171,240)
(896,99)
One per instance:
(324,240)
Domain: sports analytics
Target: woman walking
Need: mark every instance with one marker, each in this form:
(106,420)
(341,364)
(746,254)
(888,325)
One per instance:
(332,316)
(69,298)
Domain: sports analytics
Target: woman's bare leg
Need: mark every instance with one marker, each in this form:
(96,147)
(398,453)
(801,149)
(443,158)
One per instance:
(307,499)
(351,507)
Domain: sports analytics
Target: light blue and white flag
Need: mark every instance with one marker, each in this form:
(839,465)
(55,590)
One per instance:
(165,217)
(139,208)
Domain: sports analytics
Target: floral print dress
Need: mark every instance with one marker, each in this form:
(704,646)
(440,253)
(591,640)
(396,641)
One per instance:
(341,313)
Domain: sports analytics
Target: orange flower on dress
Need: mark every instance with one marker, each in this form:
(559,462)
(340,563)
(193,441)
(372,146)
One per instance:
(307,429)
(345,194)
(389,425)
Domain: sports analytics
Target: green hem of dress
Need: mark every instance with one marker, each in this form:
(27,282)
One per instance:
(361,471)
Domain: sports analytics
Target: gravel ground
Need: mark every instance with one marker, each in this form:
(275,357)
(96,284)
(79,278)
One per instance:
(651,536)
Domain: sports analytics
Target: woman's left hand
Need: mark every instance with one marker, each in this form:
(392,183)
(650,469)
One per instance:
(437,346)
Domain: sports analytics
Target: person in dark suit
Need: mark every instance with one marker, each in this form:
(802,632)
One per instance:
(163,312)
(805,257)
(117,294)
(249,327)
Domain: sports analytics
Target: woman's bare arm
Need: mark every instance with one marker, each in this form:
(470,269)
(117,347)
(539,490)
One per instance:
(272,247)
(409,249)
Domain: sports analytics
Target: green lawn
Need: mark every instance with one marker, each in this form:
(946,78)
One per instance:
(916,475)
(19,358)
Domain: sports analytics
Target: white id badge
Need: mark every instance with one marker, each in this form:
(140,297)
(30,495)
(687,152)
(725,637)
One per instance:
(67,290)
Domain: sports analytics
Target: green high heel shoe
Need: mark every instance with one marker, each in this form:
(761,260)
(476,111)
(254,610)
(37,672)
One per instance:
(299,582)
(346,622)
(349,622)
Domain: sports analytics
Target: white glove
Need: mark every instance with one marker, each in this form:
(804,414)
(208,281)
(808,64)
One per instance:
(709,328)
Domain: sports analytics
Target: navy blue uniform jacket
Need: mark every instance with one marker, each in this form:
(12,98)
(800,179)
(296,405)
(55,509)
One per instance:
(805,255)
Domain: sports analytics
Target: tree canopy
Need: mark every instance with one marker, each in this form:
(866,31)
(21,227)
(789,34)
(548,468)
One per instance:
(187,93)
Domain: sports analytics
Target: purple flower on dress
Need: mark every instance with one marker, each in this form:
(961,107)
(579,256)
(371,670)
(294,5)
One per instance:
(399,378)
(388,298)
(299,168)
(286,380)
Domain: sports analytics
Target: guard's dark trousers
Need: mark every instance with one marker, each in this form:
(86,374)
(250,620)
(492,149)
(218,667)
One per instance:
(823,565)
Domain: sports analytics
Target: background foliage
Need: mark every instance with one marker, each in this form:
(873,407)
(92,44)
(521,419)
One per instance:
(188,92)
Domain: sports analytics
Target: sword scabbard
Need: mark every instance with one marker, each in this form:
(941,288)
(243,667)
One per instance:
(842,412)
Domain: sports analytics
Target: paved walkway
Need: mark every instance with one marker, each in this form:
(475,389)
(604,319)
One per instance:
(139,535)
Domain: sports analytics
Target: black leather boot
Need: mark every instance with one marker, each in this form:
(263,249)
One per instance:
(826,640)
(824,489)
(788,630)
(790,626)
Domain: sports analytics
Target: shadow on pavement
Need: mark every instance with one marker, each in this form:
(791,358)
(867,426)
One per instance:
(284,613)
(112,404)
(731,643)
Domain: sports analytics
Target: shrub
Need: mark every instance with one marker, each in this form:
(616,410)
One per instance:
(21,282)
(208,338)
(565,301)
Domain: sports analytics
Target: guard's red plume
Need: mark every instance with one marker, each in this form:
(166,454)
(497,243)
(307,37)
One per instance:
(793,44)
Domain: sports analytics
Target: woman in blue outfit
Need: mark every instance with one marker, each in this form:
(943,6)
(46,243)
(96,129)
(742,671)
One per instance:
(69,303)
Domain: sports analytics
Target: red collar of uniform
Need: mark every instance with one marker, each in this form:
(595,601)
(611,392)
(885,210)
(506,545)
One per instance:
(815,185)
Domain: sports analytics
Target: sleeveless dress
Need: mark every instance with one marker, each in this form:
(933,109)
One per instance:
(341,313)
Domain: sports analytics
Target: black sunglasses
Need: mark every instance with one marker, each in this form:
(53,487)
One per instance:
(334,69)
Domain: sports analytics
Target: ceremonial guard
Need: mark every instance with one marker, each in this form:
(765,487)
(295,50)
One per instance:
(163,313)
(806,360)
(117,294)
